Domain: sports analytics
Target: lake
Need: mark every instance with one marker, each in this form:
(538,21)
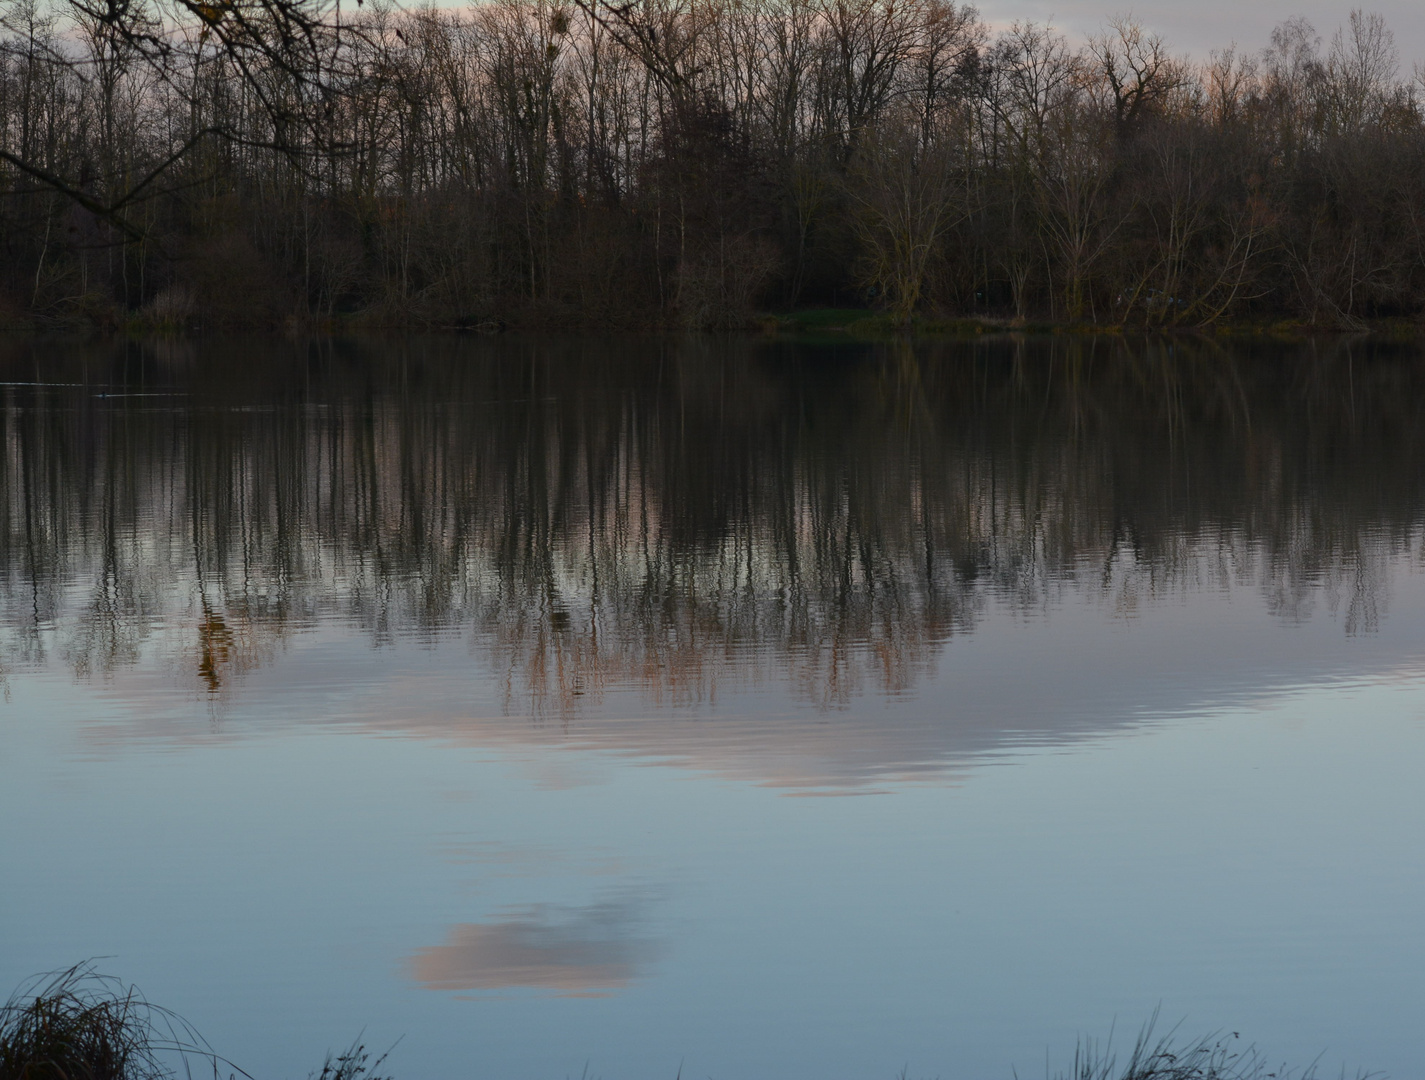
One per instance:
(716,707)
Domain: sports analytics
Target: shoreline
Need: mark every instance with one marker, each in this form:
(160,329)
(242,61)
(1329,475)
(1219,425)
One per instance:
(823,325)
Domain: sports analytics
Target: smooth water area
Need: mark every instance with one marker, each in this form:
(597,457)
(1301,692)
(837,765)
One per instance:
(723,708)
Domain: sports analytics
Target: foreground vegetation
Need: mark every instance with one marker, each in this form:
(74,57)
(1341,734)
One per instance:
(690,162)
(80,1025)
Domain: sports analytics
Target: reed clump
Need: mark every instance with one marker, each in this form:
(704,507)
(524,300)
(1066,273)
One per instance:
(78,1024)
(1220,1056)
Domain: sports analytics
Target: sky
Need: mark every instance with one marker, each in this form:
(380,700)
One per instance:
(1199,27)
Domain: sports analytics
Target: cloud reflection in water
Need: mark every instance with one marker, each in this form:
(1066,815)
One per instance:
(590,951)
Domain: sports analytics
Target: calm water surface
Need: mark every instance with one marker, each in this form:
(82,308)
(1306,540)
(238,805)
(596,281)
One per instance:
(751,710)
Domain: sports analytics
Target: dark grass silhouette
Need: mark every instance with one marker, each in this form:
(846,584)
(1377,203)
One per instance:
(354,1063)
(79,1024)
(1219,1056)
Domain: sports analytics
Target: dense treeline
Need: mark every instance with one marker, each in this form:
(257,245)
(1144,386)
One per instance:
(691,161)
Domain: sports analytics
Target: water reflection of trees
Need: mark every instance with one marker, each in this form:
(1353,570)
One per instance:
(680,517)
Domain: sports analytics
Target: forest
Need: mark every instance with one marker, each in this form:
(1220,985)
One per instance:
(696,164)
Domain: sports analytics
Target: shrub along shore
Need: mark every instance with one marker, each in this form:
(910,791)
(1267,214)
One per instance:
(689,163)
